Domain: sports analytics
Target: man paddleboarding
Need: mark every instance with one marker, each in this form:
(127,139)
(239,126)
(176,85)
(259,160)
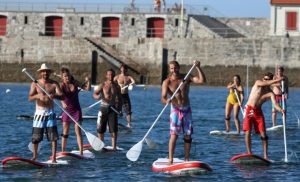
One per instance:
(44,120)
(260,93)
(181,113)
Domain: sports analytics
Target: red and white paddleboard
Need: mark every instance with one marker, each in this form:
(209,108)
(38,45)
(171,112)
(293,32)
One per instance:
(249,159)
(104,149)
(180,167)
(75,154)
(23,163)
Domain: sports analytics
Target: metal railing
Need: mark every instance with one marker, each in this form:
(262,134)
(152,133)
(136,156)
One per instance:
(104,8)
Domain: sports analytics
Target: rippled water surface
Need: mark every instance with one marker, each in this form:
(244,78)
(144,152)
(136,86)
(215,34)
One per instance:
(208,114)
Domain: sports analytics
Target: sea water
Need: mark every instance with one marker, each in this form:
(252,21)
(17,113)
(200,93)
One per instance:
(208,114)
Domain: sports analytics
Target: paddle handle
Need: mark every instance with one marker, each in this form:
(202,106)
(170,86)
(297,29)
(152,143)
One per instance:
(284,122)
(186,76)
(37,83)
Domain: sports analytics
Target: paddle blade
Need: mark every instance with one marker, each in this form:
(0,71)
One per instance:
(95,142)
(150,143)
(135,151)
(130,87)
(30,147)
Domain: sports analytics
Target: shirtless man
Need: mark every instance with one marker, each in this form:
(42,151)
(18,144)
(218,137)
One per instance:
(124,80)
(260,93)
(110,94)
(44,117)
(276,87)
(181,113)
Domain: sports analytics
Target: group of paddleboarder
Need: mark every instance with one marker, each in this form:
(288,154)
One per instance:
(113,93)
(269,88)
(110,93)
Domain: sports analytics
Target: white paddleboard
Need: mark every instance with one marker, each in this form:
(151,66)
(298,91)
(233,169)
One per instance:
(104,149)
(275,128)
(219,132)
(180,167)
(110,149)
(75,154)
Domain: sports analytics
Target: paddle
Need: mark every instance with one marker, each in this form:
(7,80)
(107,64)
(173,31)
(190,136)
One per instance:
(130,87)
(135,151)
(99,101)
(240,104)
(95,142)
(283,122)
(89,107)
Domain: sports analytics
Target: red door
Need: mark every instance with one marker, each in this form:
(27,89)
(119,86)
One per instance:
(110,27)
(291,20)
(155,27)
(54,26)
(3,20)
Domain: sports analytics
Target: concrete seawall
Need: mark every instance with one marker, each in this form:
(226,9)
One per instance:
(216,75)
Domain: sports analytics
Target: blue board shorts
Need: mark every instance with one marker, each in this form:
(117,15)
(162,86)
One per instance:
(44,121)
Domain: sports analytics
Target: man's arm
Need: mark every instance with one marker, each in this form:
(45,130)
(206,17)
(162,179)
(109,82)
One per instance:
(261,83)
(58,92)
(132,81)
(200,78)
(33,95)
(164,91)
(98,92)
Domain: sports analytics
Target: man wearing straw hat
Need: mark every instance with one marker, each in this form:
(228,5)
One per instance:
(44,117)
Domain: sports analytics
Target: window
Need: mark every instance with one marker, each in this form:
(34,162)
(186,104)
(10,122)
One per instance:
(291,20)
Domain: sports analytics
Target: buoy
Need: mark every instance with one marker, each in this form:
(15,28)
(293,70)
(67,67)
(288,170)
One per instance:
(7,90)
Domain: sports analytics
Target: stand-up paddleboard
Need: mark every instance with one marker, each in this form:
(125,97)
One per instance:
(180,167)
(22,163)
(218,132)
(29,117)
(104,149)
(275,128)
(123,129)
(75,154)
(249,159)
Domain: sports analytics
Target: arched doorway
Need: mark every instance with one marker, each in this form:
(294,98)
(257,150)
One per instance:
(155,27)
(54,26)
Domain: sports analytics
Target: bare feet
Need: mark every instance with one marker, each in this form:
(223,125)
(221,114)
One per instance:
(170,162)
(128,125)
(34,158)
(54,162)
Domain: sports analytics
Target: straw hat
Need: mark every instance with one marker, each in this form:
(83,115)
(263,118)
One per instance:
(44,67)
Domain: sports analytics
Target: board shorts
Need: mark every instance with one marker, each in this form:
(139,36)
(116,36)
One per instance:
(107,117)
(126,103)
(181,120)
(254,117)
(44,121)
(278,99)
